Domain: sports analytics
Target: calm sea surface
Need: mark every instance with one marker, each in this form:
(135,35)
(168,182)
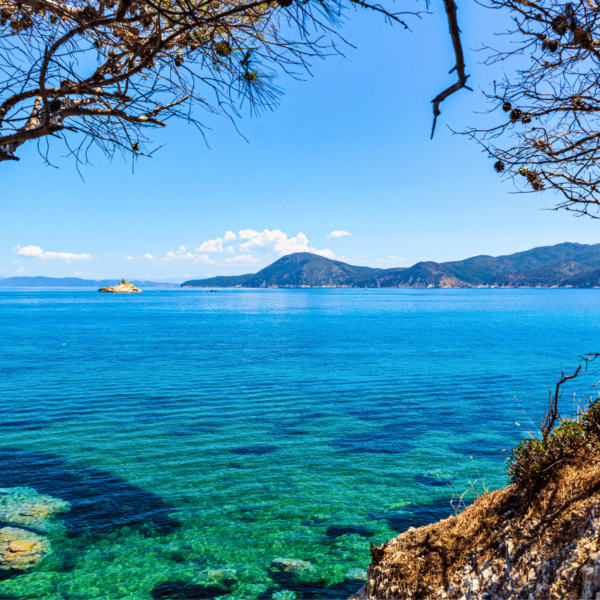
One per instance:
(202,437)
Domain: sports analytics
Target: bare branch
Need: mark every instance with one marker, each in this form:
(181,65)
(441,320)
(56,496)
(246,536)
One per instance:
(459,67)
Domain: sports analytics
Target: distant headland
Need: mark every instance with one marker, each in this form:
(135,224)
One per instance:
(565,265)
(73,282)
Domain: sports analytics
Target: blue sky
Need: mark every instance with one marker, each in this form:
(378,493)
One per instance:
(347,150)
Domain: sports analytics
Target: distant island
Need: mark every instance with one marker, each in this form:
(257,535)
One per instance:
(122,288)
(565,265)
(73,282)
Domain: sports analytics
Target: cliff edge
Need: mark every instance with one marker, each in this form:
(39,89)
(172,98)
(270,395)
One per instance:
(537,539)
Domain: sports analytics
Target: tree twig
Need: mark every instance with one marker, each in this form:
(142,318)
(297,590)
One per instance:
(450,7)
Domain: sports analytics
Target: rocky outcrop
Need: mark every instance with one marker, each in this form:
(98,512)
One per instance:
(22,508)
(122,288)
(504,546)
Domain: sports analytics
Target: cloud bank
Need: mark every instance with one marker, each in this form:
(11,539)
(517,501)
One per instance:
(278,241)
(37,252)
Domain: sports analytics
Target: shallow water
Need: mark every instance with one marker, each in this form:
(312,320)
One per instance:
(199,437)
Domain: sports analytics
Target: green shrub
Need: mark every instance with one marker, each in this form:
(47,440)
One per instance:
(533,462)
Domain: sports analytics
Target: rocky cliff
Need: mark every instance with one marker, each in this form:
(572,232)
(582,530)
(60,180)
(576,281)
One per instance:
(537,539)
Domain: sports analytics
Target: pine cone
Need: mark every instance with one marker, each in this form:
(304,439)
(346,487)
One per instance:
(577,103)
(285,3)
(506,107)
(524,171)
(5,15)
(499,166)
(526,118)
(178,61)
(516,114)
(537,184)
(560,25)
(583,38)
(88,13)
(55,105)
(550,45)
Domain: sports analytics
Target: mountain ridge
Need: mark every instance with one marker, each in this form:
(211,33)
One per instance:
(72,282)
(562,265)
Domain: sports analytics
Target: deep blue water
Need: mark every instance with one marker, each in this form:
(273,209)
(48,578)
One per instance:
(199,437)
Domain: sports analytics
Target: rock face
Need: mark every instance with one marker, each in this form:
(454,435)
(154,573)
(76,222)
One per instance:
(21,548)
(504,546)
(122,288)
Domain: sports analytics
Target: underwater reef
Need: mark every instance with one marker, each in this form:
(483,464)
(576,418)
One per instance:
(25,518)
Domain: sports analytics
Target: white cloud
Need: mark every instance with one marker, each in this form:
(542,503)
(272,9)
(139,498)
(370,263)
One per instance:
(21,271)
(245,259)
(216,245)
(211,246)
(230,249)
(181,253)
(37,252)
(335,234)
(278,241)
(327,253)
(83,274)
(246,234)
(148,256)
(397,257)
(129,258)
(204,258)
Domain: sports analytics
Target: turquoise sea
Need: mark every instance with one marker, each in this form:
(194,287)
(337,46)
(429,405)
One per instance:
(250,444)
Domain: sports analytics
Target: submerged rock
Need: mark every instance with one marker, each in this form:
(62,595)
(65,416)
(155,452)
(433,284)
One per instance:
(220,575)
(21,507)
(122,288)
(291,565)
(24,506)
(20,549)
(359,574)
